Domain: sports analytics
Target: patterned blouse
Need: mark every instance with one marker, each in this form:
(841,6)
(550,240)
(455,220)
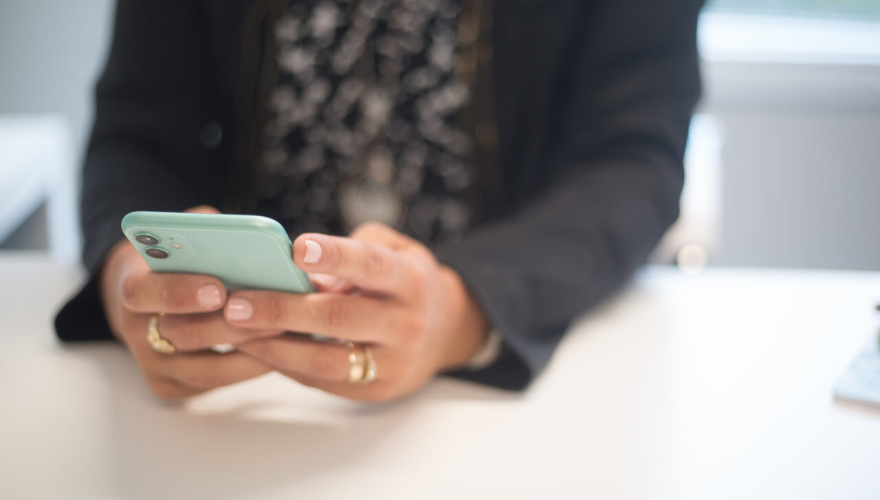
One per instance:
(363,119)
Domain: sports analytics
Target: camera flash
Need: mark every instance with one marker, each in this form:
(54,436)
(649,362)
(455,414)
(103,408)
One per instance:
(176,245)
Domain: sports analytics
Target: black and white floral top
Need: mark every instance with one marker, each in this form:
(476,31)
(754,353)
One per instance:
(363,119)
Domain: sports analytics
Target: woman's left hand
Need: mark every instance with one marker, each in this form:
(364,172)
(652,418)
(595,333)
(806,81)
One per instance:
(415,315)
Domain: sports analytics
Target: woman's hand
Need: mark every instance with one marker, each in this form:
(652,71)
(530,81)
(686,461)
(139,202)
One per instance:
(193,322)
(415,315)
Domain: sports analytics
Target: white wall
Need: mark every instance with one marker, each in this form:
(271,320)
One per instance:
(50,53)
(800,176)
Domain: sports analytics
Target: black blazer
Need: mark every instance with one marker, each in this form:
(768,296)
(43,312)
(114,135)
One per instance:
(581,118)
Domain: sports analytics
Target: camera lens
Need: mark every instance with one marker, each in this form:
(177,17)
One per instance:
(147,239)
(157,253)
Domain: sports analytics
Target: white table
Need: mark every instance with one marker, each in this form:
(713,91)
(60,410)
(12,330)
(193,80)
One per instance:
(711,386)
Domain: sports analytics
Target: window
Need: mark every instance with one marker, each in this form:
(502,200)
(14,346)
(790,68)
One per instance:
(868,10)
(792,31)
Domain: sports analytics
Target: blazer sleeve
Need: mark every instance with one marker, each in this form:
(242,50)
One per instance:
(145,151)
(616,177)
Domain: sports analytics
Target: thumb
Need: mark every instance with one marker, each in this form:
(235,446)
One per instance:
(380,234)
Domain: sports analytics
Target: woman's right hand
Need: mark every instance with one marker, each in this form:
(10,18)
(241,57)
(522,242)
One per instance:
(193,322)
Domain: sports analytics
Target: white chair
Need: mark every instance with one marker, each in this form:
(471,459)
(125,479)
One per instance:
(37,166)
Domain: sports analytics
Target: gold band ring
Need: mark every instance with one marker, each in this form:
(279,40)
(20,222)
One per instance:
(361,364)
(156,341)
(370,368)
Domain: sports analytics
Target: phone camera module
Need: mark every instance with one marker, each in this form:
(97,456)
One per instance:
(146,239)
(157,253)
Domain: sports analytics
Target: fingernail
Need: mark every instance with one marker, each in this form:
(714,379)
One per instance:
(209,296)
(313,252)
(239,309)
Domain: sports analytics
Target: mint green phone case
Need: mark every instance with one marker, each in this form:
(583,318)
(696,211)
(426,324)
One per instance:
(246,252)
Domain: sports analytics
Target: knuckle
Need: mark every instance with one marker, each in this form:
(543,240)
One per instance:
(337,314)
(374,263)
(274,311)
(332,254)
(173,297)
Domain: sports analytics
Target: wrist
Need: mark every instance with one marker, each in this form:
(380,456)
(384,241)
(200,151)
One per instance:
(469,326)
(488,353)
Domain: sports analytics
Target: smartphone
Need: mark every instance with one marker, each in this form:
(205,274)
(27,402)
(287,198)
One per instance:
(246,252)
(861,382)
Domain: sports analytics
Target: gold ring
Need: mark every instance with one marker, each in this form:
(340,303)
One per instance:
(370,369)
(156,341)
(361,364)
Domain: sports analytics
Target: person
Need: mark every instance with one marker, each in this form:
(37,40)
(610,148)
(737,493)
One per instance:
(462,178)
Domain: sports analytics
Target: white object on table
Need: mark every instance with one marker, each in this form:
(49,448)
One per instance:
(36,166)
(711,386)
(694,238)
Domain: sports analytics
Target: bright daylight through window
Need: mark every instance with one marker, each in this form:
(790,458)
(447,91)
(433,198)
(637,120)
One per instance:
(853,9)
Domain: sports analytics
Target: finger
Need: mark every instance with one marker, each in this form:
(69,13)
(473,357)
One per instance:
(202,209)
(326,360)
(330,284)
(209,370)
(383,235)
(175,376)
(376,391)
(367,265)
(298,354)
(349,317)
(144,291)
(196,332)
(170,390)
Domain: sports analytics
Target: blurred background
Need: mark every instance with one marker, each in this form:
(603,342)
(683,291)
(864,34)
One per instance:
(782,161)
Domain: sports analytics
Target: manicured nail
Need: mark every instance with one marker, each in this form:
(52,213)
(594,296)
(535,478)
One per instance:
(313,252)
(239,309)
(209,296)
